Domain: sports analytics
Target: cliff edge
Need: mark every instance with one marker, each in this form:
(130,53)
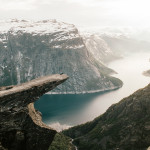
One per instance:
(21,126)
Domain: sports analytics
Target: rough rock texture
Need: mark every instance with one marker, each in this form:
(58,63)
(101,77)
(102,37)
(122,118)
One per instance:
(32,49)
(124,126)
(21,127)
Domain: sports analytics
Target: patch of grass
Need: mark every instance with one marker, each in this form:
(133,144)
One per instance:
(61,142)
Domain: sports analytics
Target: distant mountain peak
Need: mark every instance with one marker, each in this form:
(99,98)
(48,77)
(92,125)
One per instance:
(30,26)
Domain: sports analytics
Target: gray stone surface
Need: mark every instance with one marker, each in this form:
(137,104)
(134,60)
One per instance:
(21,126)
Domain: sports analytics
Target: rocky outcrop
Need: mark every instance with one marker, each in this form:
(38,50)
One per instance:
(124,126)
(21,126)
(146,73)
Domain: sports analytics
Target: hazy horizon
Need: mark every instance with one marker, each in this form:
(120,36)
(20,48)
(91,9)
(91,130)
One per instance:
(98,13)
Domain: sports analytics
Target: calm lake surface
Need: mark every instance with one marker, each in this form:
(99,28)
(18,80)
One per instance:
(62,111)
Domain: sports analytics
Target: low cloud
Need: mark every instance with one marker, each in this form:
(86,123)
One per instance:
(80,12)
(9,5)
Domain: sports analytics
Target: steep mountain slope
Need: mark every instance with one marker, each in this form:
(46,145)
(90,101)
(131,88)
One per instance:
(121,45)
(98,48)
(32,49)
(124,126)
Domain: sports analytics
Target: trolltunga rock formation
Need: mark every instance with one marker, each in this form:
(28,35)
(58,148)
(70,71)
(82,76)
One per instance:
(21,126)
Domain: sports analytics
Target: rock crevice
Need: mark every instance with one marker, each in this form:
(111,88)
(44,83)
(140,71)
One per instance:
(21,126)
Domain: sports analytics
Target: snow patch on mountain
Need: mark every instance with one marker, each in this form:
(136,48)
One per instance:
(36,48)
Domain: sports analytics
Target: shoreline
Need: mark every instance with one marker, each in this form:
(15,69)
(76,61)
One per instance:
(85,92)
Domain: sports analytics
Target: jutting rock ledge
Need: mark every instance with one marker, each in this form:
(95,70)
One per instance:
(21,126)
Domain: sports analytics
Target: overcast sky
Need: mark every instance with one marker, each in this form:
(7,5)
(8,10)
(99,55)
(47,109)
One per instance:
(80,12)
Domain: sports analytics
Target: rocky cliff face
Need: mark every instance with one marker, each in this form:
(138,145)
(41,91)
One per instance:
(124,126)
(98,48)
(21,126)
(32,49)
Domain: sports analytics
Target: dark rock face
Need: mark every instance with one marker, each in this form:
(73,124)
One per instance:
(124,126)
(33,49)
(21,126)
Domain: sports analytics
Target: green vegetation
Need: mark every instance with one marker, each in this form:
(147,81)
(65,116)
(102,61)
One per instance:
(61,142)
(124,126)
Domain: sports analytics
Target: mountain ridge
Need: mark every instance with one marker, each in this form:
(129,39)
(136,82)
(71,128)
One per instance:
(33,49)
(124,126)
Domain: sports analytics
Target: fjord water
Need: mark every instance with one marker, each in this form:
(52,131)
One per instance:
(62,111)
